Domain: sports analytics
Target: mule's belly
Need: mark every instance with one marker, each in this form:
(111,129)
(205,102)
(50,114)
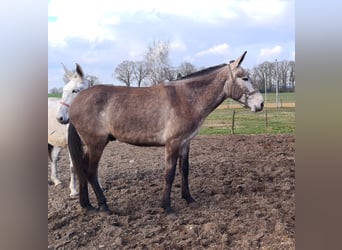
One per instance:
(140,138)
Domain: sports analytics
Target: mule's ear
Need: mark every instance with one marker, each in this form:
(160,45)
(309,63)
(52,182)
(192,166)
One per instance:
(79,70)
(68,73)
(240,59)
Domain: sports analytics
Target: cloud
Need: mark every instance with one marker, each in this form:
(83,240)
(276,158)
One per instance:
(100,35)
(219,49)
(263,10)
(96,21)
(81,19)
(271,52)
(178,45)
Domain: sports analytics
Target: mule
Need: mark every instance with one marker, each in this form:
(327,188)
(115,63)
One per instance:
(166,114)
(57,133)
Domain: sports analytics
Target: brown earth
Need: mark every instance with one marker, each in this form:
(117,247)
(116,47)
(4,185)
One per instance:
(245,185)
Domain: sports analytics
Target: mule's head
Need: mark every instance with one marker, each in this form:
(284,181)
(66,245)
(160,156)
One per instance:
(241,89)
(77,82)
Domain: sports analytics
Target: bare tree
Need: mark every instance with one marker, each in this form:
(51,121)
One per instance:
(157,60)
(140,70)
(186,68)
(272,75)
(263,74)
(92,79)
(56,90)
(125,72)
(292,75)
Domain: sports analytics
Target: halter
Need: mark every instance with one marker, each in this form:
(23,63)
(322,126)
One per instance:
(65,104)
(247,93)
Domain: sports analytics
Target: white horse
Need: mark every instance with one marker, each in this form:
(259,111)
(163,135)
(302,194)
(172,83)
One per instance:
(57,132)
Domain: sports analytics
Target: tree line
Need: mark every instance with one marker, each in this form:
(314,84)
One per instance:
(273,76)
(155,67)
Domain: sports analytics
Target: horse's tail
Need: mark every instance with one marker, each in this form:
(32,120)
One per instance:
(79,158)
(50,147)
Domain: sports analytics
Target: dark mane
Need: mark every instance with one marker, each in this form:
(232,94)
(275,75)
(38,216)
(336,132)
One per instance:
(203,71)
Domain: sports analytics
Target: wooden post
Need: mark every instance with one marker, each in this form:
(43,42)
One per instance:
(266,119)
(233,121)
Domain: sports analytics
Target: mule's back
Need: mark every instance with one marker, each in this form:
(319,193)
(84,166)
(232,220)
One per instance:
(139,116)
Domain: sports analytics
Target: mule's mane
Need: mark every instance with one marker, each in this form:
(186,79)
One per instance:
(203,71)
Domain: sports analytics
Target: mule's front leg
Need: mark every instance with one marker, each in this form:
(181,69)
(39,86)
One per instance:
(171,156)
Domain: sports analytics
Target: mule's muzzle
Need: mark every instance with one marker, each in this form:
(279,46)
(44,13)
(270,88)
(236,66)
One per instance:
(61,120)
(258,108)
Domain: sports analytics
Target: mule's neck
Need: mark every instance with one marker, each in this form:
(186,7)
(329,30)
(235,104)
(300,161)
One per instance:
(212,91)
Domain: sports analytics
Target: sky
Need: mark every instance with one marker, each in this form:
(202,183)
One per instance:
(99,35)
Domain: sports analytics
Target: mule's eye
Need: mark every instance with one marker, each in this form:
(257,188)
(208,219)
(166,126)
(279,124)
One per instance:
(75,91)
(245,79)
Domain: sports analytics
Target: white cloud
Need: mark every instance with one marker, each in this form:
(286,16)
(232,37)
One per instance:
(82,19)
(263,10)
(101,34)
(219,49)
(178,45)
(95,21)
(271,52)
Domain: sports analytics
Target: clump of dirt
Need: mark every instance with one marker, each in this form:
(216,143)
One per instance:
(245,185)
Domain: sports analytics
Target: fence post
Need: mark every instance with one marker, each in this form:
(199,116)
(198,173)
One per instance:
(266,119)
(233,122)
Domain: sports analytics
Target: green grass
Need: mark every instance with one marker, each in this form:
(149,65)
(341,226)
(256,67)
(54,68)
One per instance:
(279,121)
(55,95)
(283,97)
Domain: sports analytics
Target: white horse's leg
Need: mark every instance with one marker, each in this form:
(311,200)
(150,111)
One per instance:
(72,186)
(54,156)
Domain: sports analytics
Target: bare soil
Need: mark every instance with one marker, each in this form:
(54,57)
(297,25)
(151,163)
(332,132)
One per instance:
(245,185)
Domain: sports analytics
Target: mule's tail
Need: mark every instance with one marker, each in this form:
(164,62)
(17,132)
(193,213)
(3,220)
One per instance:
(79,158)
(50,147)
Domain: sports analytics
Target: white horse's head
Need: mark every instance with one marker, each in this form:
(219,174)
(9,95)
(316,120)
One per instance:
(77,82)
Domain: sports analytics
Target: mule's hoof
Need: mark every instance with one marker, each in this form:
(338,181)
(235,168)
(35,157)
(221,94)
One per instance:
(88,210)
(170,213)
(193,204)
(104,210)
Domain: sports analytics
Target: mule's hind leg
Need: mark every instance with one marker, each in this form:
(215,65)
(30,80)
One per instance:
(83,187)
(184,170)
(54,155)
(95,152)
(81,162)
